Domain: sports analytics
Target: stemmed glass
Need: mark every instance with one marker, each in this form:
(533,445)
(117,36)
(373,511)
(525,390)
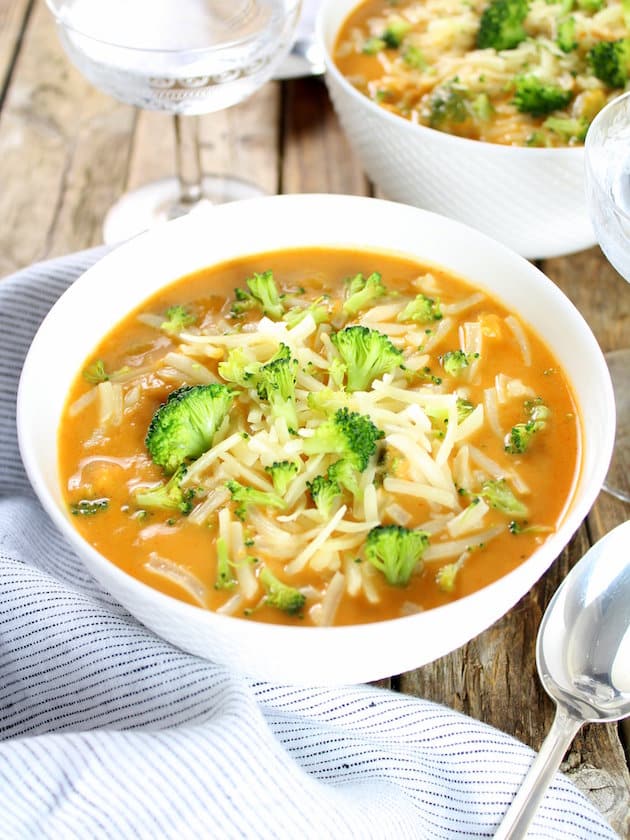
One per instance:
(184,57)
(607,172)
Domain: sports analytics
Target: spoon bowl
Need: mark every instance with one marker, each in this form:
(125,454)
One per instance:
(583,659)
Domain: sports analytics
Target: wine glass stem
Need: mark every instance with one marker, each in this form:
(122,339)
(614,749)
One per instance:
(188,159)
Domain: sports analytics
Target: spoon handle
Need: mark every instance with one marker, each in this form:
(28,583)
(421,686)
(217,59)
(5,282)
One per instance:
(525,804)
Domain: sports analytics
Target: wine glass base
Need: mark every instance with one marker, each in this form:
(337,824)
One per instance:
(159,201)
(617,481)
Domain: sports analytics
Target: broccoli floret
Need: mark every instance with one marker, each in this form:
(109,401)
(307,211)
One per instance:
(396,552)
(177,319)
(519,438)
(224,578)
(414,58)
(348,434)
(396,30)
(168,496)
(96,372)
(610,61)
(246,496)
(318,310)
(499,495)
(280,595)
(455,361)
(482,107)
(449,105)
(591,5)
(239,368)
(569,128)
(275,382)
(367,354)
(537,97)
(464,409)
(362,292)
(373,46)
(446,576)
(423,309)
(88,507)
(184,426)
(282,474)
(501,25)
(263,294)
(345,475)
(325,493)
(327,400)
(565,36)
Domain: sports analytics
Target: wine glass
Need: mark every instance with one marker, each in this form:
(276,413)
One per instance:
(184,57)
(607,173)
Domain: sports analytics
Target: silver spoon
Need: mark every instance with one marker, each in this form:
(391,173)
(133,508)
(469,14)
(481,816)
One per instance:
(583,659)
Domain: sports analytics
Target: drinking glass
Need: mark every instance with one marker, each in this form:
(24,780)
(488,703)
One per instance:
(607,173)
(184,57)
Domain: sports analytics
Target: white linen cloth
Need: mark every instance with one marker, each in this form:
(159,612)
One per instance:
(106,731)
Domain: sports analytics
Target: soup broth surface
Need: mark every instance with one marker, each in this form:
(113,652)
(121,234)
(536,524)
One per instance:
(428,62)
(466,385)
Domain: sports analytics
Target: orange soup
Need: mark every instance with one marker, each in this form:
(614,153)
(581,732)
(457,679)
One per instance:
(514,72)
(319,437)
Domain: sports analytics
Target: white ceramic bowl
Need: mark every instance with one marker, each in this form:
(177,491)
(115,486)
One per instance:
(532,200)
(128,275)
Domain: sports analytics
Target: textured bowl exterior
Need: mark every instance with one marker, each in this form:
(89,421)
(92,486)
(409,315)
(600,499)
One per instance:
(137,269)
(532,200)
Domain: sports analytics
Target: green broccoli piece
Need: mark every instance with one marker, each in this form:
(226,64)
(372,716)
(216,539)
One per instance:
(184,426)
(177,319)
(519,438)
(325,493)
(275,382)
(88,507)
(168,496)
(396,552)
(363,292)
(263,294)
(449,104)
(482,107)
(569,128)
(245,496)
(282,474)
(96,372)
(318,310)
(345,475)
(372,46)
(348,434)
(455,361)
(501,25)
(610,61)
(538,98)
(464,409)
(367,354)
(395,31)
(565,35)
(446,576)
(327,399)
(239,368)
(414,58)
(499,495)
(280,595)
(224,578)
(591,5)
(423,309)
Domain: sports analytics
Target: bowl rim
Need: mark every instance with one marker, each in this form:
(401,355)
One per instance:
(396,121)
(571,518)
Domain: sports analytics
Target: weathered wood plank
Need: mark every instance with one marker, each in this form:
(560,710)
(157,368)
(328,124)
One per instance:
(317,157)
(13,14)
(63,152)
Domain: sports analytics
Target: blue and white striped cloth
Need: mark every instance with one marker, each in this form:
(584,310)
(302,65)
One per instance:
(106,731)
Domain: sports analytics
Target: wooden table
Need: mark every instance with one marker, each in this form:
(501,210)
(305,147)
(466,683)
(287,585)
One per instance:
(67,152)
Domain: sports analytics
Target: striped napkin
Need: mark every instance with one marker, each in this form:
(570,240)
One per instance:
(106,731)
